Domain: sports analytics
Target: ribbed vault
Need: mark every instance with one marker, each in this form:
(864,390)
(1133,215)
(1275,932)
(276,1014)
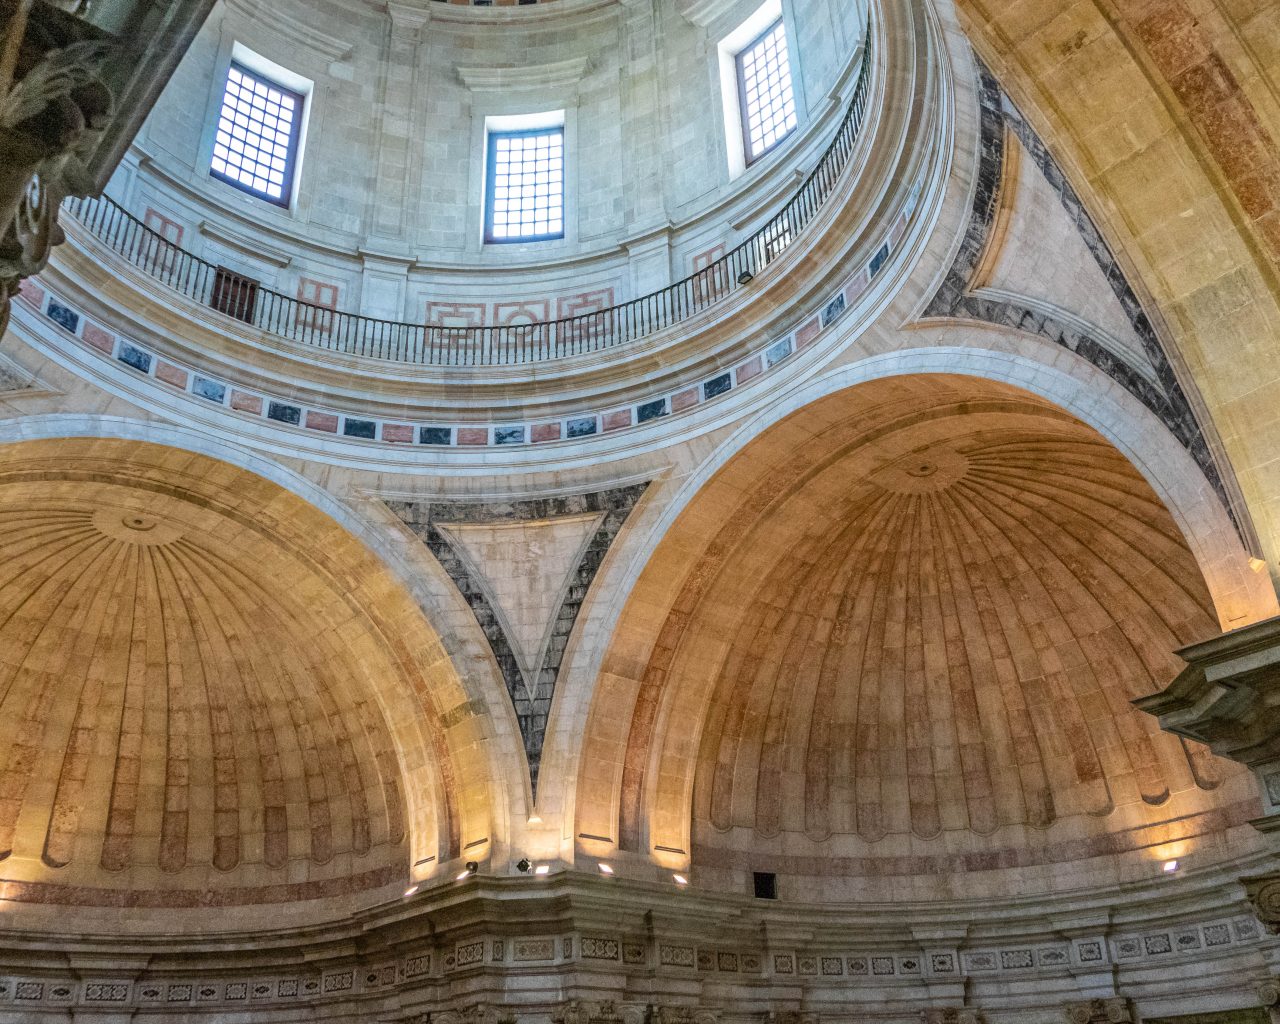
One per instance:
(207,687)
(910,630)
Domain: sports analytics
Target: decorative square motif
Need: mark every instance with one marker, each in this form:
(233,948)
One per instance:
(166,227)
(260,990)
(287,987)
(435,435)
(281,412)
(633,953)
(859,965)
(783,964)
(106,992)
(717,386)
(675,956)
(942,963)
(1089,952)
(1216,935)
(203,387)
(832,965)
(340,982)
(417,966)
(1186,940)
(1014,958)
(240,990)
(497,952)
(179,993)
(29,990)
(882,965)
(879,260)
(465,955)
(205,993)
(706,960)
(319,301)
(1245,928)
(1128,948)
(727,961)
(980,962)
(808,965)
(832,310)
(133,356)
(64,316)
(751,963)
(366,429)
(651,410)
(534,949)
(597,948)
(1156,944)
(777,352)
(909,965)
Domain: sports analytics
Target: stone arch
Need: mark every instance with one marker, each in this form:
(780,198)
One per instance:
(371,654)
(633,791)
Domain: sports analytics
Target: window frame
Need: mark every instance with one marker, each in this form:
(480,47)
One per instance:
(295,135)
(490,178)
(744,114)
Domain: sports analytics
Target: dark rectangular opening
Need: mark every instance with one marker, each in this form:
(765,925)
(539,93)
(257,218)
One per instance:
(234,294)
(766,885)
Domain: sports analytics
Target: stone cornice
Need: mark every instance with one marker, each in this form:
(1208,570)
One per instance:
(560,74)
(1229,695)
(269,16)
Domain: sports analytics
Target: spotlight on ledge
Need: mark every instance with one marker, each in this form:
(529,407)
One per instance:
(680,880)
(411,890)
(468,869)
(1169,867)
(523,865)
(746,277)
(542,869)
(605,869)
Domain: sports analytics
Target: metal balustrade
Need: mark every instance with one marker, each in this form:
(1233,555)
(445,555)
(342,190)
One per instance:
(511,344)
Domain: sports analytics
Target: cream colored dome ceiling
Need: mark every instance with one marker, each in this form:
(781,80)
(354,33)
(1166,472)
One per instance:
(910,628)
(195,683)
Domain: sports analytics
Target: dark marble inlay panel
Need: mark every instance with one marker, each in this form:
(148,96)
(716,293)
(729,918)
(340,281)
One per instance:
(532,710)
(955,298)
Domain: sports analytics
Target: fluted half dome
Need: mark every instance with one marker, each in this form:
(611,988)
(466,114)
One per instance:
(193,697)
(905,628)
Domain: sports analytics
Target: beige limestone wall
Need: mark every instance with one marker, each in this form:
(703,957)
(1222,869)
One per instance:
(1166,115)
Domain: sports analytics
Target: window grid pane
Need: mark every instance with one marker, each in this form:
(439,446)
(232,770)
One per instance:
(255,142)
(768,104)
(526,186)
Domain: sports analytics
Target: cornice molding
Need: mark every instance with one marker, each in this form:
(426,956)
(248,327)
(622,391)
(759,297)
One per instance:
(269,16)
(245,244)
(557,74)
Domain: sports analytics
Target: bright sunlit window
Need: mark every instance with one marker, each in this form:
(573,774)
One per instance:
(524,186)
(765,93)
(255,144)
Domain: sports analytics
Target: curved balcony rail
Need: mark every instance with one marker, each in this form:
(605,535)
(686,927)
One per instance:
(319,326)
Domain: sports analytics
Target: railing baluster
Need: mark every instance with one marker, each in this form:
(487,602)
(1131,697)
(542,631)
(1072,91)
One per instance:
(287,316)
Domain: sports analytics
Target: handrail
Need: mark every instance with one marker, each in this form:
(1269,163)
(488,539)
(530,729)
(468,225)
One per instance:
(370,337)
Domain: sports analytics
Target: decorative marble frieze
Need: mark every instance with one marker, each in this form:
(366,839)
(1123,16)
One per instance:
(279,411)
